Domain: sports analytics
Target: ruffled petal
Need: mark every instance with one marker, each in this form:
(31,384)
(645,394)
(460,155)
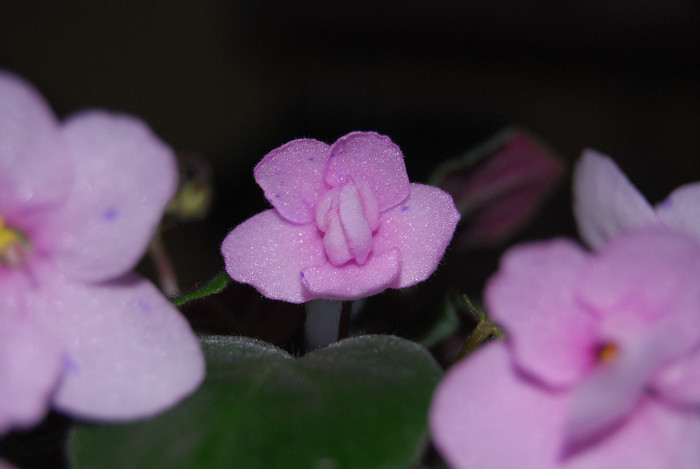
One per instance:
(129,352)
(680,209)
(605,202)
(421,228)
(292,178)
(374,159)
(125,177)
(355,225)
(269,253)
(487,415)
(30,366)
(34,170)
(656,436)
(533,297)
(352,281)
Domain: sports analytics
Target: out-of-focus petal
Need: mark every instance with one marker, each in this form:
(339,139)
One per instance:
(611,392)
(487,415)
(352,281)
(34,170)
(679,382)
(374,159)
(605,202)
(125,177)
(129,352)
(421,228)
(292,178)
(655,437)
(647,280)
(532,297)
(6,465)
(30,366)
(269,253)
(680,209)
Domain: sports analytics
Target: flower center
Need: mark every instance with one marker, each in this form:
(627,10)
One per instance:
(14,246)
(607,352)
(348,215)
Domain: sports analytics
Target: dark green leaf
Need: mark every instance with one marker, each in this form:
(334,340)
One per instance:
(359,403)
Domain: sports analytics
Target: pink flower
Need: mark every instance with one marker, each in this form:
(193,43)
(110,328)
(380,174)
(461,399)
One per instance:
(601,366)
(346,222)
(79,201)
(606,203)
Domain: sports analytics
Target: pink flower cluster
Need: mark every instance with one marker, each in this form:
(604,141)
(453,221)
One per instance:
(601,366)
(79,202)
(346,222)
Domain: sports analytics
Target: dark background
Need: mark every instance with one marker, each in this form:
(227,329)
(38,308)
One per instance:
(233,80)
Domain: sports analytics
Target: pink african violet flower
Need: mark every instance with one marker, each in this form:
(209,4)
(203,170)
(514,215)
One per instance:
(606,203)
(79,201)
(346,222)
(601,366)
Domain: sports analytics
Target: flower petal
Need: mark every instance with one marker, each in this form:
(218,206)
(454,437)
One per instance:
(292,178)
(125,177)
(130,353)
(655,436)
(374,159)
(421,228)
(680,209)
(34,170)
(605,202)
(352,281)
(646,281)
(487,415)
(612,391)
(532,297)
(30,367)
(679,382)
(269,253)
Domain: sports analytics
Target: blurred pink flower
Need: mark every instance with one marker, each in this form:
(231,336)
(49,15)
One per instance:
(600,368)
(499,186)
(346,222)
(606,203)
(79,201)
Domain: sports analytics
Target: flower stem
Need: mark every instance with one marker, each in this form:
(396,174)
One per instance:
(167,279)
(344,323)
(484,330)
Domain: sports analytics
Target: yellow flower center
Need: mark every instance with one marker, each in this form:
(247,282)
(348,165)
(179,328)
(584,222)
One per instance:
(13,246)
(608,352)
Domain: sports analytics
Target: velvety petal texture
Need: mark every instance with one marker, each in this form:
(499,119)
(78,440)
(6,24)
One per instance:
(269,253)
(624,404)
(346,223)
(79,203)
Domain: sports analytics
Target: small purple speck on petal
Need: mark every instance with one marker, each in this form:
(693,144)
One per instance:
(71,366)
(404,208)
(301,274)
(311,158)
(144,306)
(110,214)
(277,196)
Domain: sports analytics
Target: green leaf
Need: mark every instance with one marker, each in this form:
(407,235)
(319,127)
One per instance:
(212,287)
(359,403)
